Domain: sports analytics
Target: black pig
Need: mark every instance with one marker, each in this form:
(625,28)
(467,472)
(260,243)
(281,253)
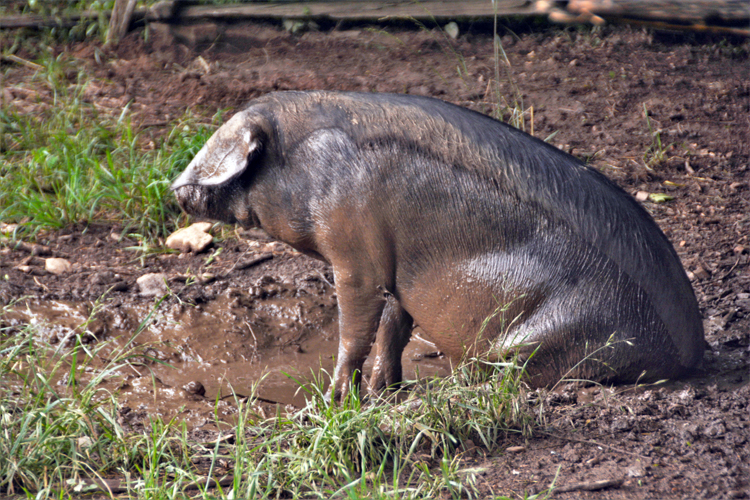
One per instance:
(435,215)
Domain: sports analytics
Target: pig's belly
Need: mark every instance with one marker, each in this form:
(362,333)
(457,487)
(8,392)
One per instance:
(497,300)
(467,307)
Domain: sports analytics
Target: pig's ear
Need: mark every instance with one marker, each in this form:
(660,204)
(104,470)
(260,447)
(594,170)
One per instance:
(226,155)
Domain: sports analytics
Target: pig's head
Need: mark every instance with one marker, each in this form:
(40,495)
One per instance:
(215,184)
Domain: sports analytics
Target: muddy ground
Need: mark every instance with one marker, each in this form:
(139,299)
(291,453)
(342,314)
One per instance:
(259,304)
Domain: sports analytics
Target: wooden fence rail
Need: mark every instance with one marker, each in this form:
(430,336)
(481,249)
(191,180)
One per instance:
(729,16)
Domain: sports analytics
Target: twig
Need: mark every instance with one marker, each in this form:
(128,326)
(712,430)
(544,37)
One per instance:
(594,443)
(33,249)
(252,262)
(590,486)
(23,62)
(238,265)
(722,278)
(117,486)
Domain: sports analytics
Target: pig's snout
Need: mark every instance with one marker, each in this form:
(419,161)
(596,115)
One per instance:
(217,203)
(192,199)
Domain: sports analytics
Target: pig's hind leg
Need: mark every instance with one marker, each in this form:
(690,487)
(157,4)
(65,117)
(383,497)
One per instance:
(393,334)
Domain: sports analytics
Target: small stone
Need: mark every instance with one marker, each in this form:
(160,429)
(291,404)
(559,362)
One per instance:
(8,228)
(636,470)
(641,196)
(191,239)
(84,442)
(701,273)
(57,266)
(515,449)
(715,430)
(152,284)
(451,29)
(293,26)
(195,387)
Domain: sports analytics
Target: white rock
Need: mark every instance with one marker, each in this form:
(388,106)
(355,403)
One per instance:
(57,266)
(7,228)
(152,284)
(451,29)
(84,442)
(191,239)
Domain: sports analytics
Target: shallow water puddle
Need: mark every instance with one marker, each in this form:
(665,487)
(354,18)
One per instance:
(267,336)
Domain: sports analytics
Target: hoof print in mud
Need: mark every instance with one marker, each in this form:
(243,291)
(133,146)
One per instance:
(487,238)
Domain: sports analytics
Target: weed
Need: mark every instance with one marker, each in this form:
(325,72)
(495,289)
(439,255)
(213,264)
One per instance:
(510,111)
(656,153)
(61,432)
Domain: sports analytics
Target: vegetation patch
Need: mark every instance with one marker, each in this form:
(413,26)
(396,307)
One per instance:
(62,433)
(69,164)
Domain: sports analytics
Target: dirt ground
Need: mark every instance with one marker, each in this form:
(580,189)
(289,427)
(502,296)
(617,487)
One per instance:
(258,303)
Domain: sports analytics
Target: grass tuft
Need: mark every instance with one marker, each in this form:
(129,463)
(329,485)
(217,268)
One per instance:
(77,166)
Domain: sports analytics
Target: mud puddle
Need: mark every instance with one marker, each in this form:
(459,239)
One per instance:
(267,340)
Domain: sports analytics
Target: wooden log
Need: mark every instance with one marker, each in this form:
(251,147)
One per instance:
(686,11)
(175,11)
(119,21)
(360,11)
(731,17)
(34,21)
(723,16)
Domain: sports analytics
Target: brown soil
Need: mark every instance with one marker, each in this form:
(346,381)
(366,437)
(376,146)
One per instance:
(683,439)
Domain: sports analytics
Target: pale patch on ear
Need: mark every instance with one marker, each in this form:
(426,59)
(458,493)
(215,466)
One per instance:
(227,162)
(225,155)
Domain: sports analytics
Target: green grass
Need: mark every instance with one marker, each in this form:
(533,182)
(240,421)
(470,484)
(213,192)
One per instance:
(60,432)
(69,164)
(58,425)
(656,153)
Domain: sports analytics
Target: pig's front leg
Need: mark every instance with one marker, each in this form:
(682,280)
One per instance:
(360,308)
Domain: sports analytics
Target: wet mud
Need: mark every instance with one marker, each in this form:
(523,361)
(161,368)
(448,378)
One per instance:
(272,339)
